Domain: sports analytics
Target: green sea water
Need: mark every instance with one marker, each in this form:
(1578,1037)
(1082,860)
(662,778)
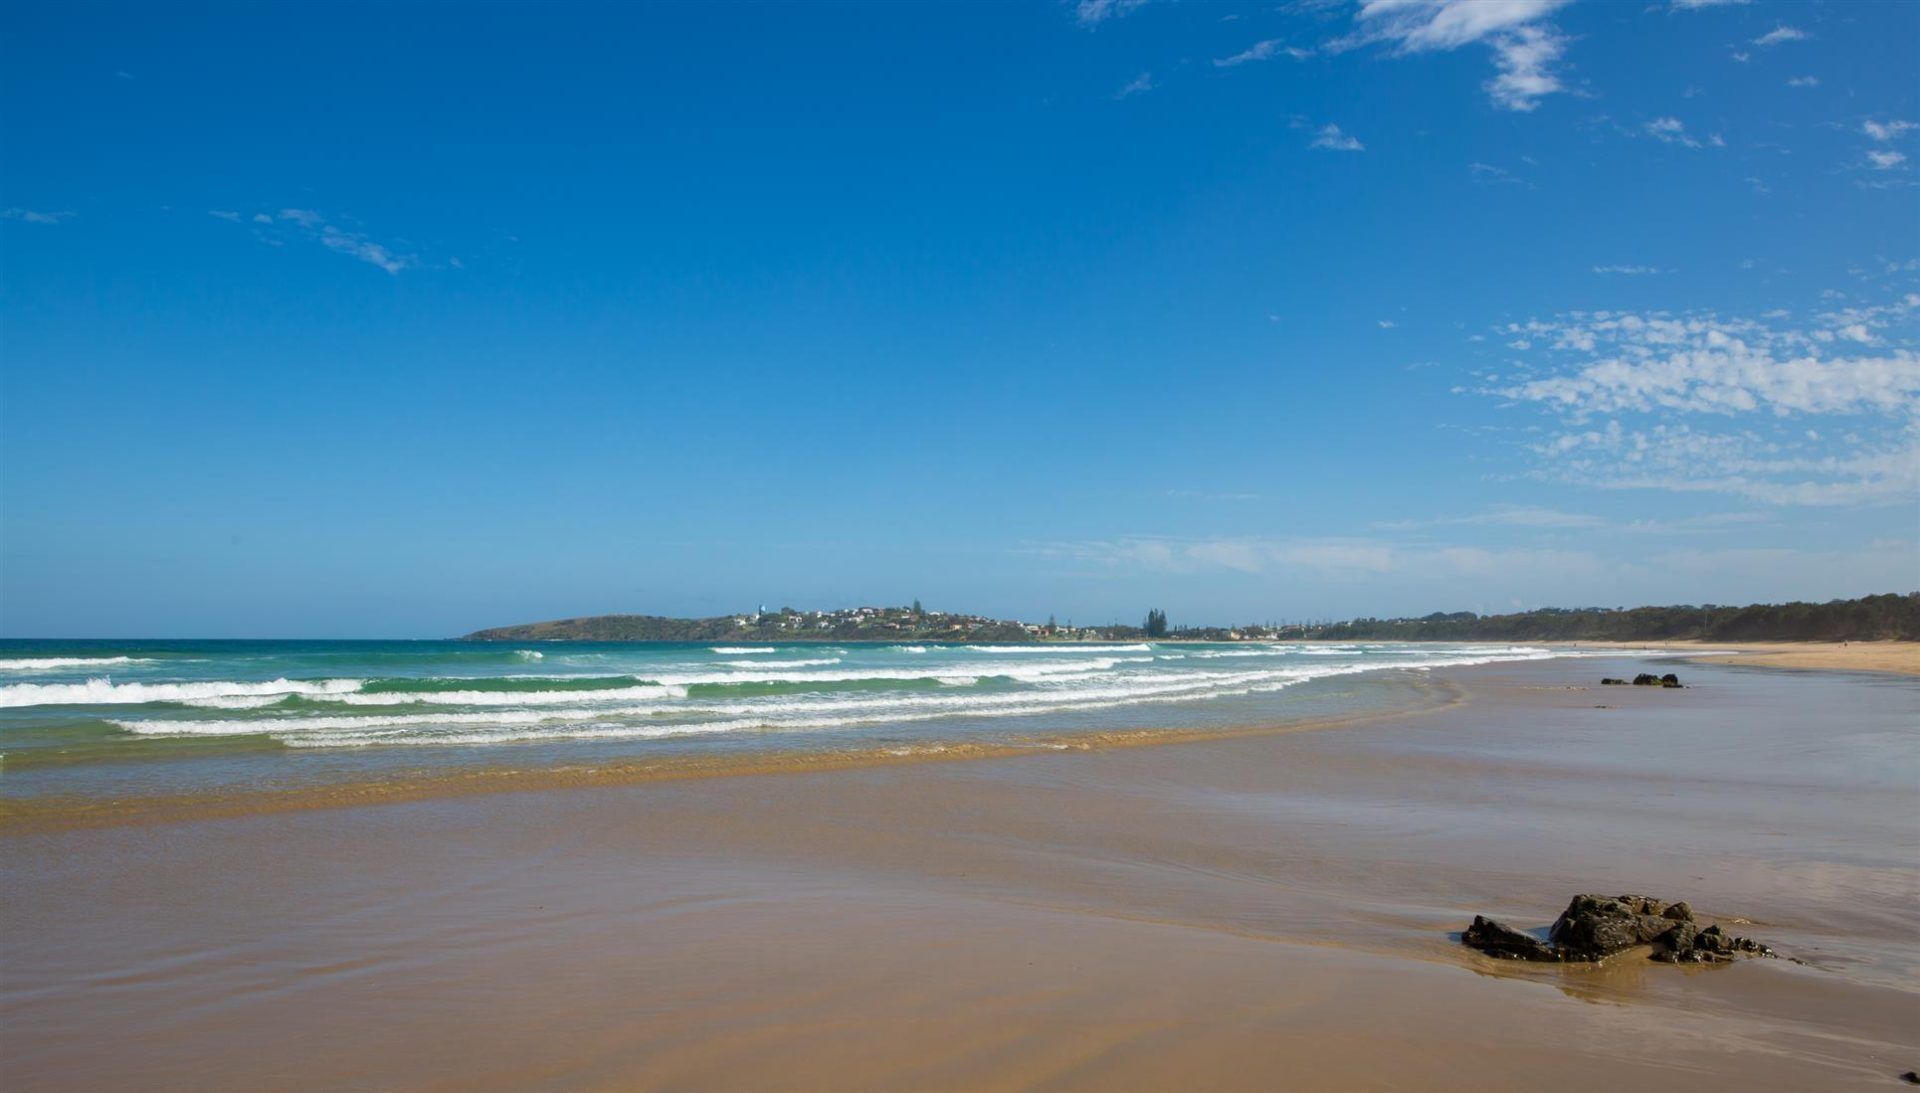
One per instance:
(101,718)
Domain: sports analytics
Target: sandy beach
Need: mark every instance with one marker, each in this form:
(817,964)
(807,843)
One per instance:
(1900,657)
(1853,656)
(1244,912)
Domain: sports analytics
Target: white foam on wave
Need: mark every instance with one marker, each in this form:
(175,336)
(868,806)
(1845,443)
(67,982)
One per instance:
(105,692)
(772,713)
(529,654)
(658,686)
(234,702)
(278,726)
(1023,706)
(1022,672)
(573,697)
(743,650)
(54,664)
(822,662)
(598,730)
(1064,647)
(660,709)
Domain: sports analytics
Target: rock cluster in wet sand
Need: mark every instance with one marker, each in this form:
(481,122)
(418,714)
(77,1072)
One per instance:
(1595,927)
(1645,679)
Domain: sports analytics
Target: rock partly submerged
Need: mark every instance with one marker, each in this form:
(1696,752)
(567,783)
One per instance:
(1594,927)
(1645,679)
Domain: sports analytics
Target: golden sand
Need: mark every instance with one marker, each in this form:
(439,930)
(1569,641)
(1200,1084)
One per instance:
(57,813)
(1902,657)
(1851,656)
(1255,911)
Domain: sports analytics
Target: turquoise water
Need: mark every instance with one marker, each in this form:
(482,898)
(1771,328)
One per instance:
(103,718)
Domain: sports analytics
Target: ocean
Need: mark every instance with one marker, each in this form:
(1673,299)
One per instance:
(98,718)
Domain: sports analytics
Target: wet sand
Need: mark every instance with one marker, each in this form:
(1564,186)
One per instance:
(1851,656)
(1902,657)
(1252,912)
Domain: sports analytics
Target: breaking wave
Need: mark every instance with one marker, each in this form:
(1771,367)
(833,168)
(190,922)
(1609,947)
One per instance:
(54,664)
(451,698)
(105,692)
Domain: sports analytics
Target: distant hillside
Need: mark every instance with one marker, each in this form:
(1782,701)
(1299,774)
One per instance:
(1870,618)
(786,625)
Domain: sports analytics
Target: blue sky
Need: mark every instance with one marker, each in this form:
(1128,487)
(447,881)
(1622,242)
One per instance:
(405,320)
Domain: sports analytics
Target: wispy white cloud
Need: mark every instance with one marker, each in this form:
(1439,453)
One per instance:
(1770,470)
(1331,137)
(1489,174)
(1332,558)
(1697,5)
(1525,47)
(1211,495)
(359,246)
(1420,25)
(1884,131)
(1506,515)
(1670,131)
(1702,522)
(1884,159)
(34,216)
(275,228)
(1804,81)
(1469,574)
(1258,51)
(1878,564)
(1541,518)
(1631,271)
(1779,34)
(1825,411)
(1139,85)
(1091,13)
(1709,365)
(1525,59)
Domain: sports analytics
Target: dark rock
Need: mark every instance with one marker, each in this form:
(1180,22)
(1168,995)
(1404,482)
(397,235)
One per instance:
(1496,939)
(1669,680)
(1594,927)
(1646,679)
(1605,682)
(1910,1078)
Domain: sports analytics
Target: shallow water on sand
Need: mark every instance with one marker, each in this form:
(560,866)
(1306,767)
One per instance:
(1231,913)
(95,719)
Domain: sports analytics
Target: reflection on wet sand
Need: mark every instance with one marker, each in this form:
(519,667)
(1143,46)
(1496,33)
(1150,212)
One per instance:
(1225,913)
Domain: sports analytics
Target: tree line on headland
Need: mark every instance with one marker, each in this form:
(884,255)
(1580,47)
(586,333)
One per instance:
(1892,616)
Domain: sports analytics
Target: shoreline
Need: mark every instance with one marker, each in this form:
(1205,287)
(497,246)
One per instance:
(24,816)
(1211,913)
(1878,655)
(1895,657)
(29,815)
